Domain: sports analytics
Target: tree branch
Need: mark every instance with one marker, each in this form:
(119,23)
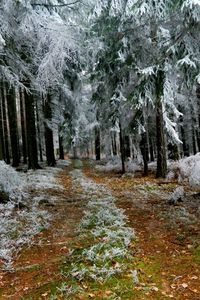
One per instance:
(56,5)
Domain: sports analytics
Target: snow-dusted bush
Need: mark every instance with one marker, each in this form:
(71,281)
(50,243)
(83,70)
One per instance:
(11,182)
(115,165)
(187,165)
(194,178)
(187,168)
(177,195)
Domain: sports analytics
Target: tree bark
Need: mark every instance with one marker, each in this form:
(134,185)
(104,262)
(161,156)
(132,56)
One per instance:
(127,151)
(31,131)
(5,126)
(49,133)
(23,127)
(122,150)
(151,148)
(12,118)
(145,154)
(161,148)
(97,143)
(61,149)
(114,143)
(2,144)
(39,132)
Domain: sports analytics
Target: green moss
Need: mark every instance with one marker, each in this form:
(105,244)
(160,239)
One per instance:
(197,255)
(50,288)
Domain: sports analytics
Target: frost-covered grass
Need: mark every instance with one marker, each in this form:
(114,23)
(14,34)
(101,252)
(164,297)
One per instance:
(22,217)
(104,225)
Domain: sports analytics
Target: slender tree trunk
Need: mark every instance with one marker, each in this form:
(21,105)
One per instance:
(49,133)
(39,132)
(5,126)
(97,143)
(2,144)
(122,150)
(127,151)
(61,149)
(23,126)
(31,131)
(183,138)
(161,147)
(151,148)
(12,118)
(144,150)
(114,143)
(194,141)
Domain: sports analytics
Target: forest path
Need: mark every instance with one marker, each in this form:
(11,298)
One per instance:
(37,268)
(168,254)
(162,263)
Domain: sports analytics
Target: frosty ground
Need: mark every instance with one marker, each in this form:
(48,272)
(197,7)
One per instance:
(90,233)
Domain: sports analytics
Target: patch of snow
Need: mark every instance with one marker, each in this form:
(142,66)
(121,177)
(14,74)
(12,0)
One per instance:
(11,182)
(194,178)
(177,195)
(188,169)
(115,165)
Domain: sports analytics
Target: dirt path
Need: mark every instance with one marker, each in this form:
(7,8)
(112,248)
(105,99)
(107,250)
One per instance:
(166,254)
(37,269)
(169,236)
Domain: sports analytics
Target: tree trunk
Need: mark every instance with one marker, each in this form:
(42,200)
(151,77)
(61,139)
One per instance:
(114,143)
(31,131)
(194,144)
(23,127)
(39,133)
(198,114)
(161,148)
(127,151)
(97,143)
(144,151)
(151,148)
(2,144)
(183,138)
(61,149)
(122,150)
(49,133)
(12,118)
(5,127)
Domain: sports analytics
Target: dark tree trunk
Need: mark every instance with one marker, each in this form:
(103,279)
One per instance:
(127,150)
(194,141)
(2,144)
(12,118)
(198,123)
(144,151)
(5,127)
(151,150)
(97,143)
(114,143)
(23,127)
(61,149)
(122,150)
(49,133)
(31,131)
(173,152)
(183,138)
(161,148)
(39,133)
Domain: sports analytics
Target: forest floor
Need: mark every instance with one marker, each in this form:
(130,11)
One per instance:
(161,260)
